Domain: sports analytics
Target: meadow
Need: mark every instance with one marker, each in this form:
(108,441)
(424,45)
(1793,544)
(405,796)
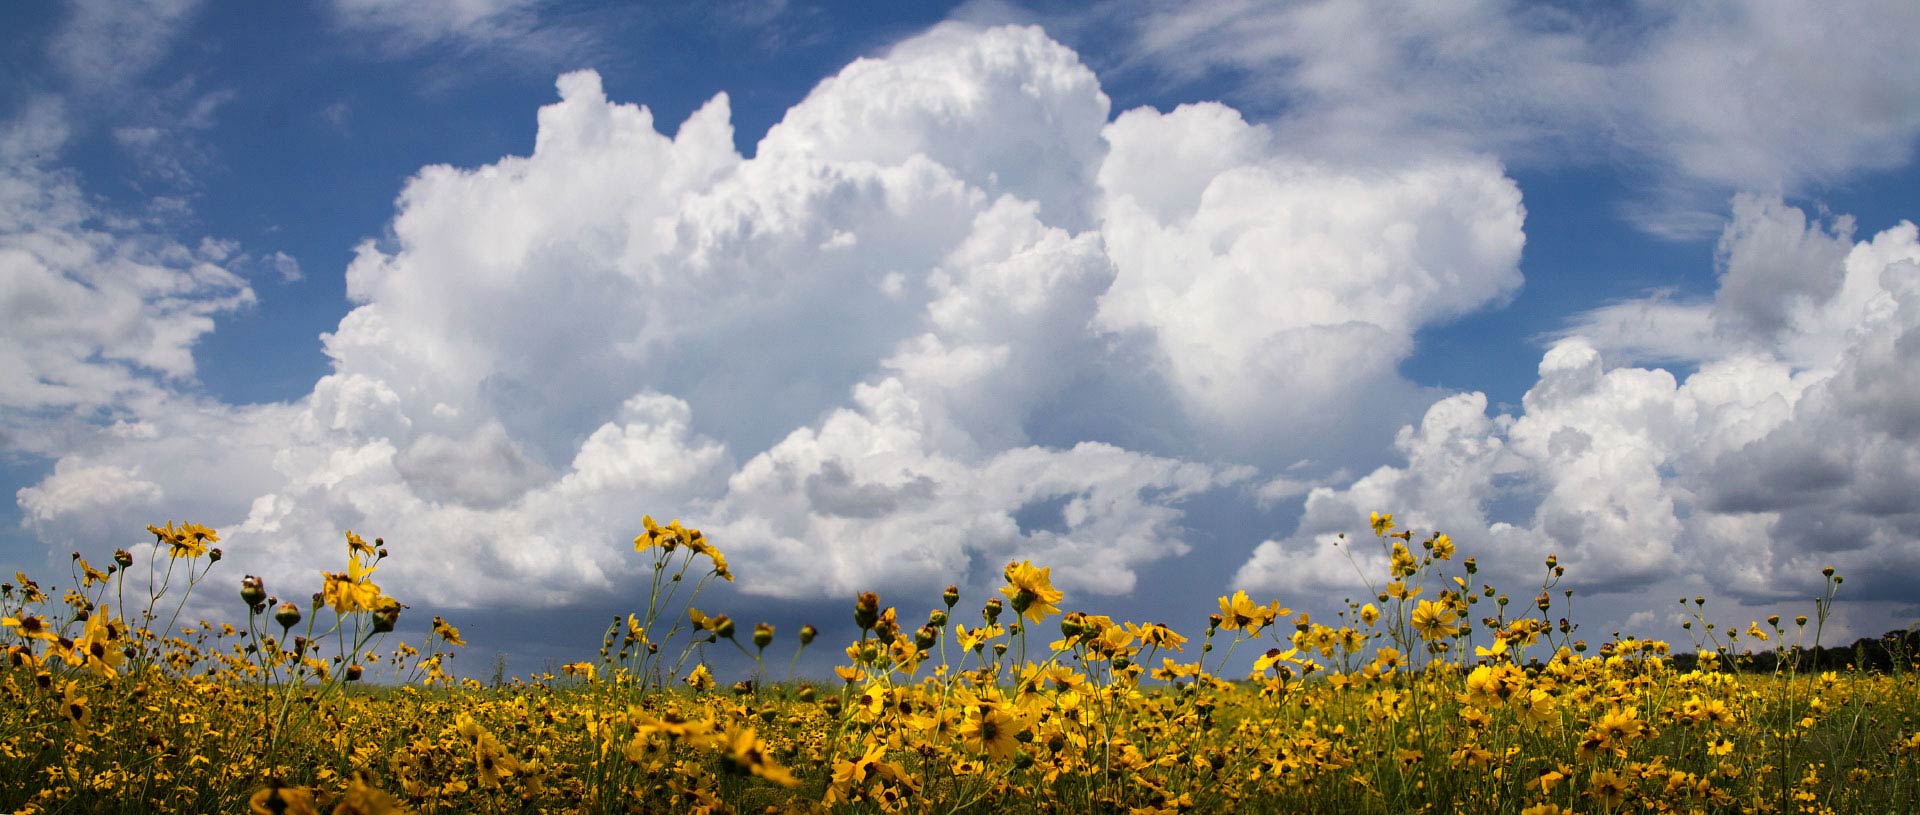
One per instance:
(1436,693)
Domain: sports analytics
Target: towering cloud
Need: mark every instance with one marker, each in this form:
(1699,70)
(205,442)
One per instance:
(948,315)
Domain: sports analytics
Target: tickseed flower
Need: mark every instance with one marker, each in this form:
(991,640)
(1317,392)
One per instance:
(447,632)
(190,540)
(351,591)
(748,753)
(991,730)
(1615,730)
(1434,621)
(701,678)
(278,799)
(362,798)
(1382,524)
(100,645)
(1239,612)
(31,627)
(1608,787)
(1030,590)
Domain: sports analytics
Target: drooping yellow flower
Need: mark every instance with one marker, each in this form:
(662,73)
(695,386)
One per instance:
(1031,590)
(351,591)
(1239,612)
(99,645)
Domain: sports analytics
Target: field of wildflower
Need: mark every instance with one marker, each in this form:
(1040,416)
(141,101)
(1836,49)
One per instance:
(1435,694)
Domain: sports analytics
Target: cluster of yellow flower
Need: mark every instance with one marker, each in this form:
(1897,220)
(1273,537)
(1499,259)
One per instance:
(1405,701)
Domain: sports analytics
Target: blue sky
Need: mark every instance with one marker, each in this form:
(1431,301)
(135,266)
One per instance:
(1166,295)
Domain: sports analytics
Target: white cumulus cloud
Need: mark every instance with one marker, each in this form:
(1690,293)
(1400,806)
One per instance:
(948,315)
(1790,447)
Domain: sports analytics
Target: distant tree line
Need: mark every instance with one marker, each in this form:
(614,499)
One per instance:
(1892,652)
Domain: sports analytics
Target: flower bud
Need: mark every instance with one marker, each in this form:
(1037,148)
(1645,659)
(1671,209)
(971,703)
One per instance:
(386,616)
(253,590)
(762,635)
(353,673)
(288,615)
(937,619)
(807,633)
(723,627)
(866,610)
(121,557)
(950,596)
(992,610)
(806,693)
(214,555)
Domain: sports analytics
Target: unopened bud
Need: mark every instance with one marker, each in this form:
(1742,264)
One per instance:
(866,610)
(214,555)
(992,610)
(120,556)
(762,635)
(950,596)
(807,633)
(353,673)
(253,590)
(386,616)
(288,615)
(924,638)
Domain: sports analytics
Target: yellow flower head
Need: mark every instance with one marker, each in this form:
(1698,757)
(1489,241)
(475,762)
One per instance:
(1382,524)
(1031,590)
